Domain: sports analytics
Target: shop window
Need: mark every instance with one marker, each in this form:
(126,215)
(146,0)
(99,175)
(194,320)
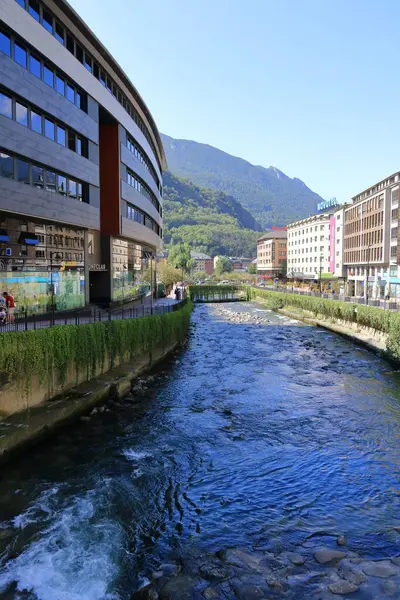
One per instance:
(6,165)
(35,66)
(5,105)
(21,114)
(20,55)
(23,174)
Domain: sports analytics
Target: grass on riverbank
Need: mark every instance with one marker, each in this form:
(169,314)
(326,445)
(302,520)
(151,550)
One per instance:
(88,347)
(385,321)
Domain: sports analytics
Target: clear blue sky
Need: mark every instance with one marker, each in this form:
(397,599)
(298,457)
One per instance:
(309,86)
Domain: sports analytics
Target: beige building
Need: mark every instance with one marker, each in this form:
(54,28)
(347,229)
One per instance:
(370,253)
(272,254)
(309,247)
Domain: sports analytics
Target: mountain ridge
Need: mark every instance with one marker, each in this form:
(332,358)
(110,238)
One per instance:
(271,196)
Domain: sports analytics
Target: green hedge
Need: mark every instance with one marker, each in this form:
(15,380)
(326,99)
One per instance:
(385,321)
(45,351)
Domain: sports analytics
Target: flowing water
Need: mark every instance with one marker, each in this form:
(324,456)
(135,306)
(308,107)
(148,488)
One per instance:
(262,435)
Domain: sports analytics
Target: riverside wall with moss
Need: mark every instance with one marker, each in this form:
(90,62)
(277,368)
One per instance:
(377,327)
(39,365)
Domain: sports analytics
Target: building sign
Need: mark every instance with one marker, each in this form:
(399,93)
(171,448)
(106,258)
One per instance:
(327,204)
(97,267)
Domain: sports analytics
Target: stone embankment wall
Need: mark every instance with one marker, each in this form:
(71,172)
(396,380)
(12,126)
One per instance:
(375,328)
(39,365)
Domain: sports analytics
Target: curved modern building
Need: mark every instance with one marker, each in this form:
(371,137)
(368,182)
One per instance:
(81,163)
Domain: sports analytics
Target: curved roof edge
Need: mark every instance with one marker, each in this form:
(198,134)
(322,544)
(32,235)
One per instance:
(94,40)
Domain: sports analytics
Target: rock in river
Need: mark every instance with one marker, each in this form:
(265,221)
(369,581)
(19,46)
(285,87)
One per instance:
(326,555)
(342,588)
(295,558)
(382,568)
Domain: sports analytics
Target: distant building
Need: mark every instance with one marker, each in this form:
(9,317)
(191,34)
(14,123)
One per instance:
(240,265)
(203,262)
(272,254)
(309,247)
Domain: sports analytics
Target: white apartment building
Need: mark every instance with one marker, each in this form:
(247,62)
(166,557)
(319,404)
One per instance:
(308,247)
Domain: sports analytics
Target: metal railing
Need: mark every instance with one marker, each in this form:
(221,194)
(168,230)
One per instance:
(84,316)
(378,303)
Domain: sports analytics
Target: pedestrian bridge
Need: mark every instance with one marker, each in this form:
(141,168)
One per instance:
(217,293)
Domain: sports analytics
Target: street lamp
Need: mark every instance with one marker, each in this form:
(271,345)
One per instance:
(320,274)
(367,274)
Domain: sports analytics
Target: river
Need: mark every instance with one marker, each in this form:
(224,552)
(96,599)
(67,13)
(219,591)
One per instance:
(265,437)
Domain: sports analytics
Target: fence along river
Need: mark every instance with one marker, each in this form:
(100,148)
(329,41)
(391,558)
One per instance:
(232,474)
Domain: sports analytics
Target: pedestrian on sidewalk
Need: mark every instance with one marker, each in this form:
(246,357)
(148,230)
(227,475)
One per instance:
(10,305)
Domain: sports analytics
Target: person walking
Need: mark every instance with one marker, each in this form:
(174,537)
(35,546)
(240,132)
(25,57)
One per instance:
(10,305)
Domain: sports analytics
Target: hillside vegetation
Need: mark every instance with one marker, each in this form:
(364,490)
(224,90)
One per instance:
(269,195)
(208,220)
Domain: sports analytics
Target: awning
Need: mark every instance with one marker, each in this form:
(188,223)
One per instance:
(30,239)
(4,237)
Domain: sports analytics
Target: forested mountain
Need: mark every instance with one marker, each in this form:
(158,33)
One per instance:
(270,196)
(210,221)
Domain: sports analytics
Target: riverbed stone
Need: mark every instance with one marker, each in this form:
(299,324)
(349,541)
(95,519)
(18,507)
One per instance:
(341,540)
(179,588)
(342,588)
(295,558)
(169,569)
(213,571)
(351,573)
(247,591)
(390,587)
(396,560)
(327,555)
(382,568)
(241,559)
(211,593)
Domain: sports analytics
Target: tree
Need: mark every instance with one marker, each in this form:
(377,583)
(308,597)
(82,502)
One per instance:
(179,256)
(223,265)
(168,275)
(252,269)
(201,275)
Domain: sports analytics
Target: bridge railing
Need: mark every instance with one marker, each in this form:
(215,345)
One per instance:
(216,293)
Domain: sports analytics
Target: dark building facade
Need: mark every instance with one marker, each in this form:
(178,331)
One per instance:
(81,164)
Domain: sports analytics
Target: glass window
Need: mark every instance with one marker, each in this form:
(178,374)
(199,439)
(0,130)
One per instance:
(34,66)
(72,188)
(33,9)
(23,171)
(80,192)
(49,129)
(36,122)
(50,181)
(60,84)
(6,165)
(62,184)
(102,78)
(79,53)
(79,145)
(20,54)
(108,84)
(21,3)
(61,136)
(59,33)
(70,44)
(70,93)
(48,76)
(88,62)
(71,141)
(47,20)
(114,90)
(5,105)
(96,70)
(21,114)
(5,44)
(78,99)
(37,176)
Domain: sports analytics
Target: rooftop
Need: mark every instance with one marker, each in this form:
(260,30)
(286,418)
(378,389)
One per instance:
(199,255)
(273,235)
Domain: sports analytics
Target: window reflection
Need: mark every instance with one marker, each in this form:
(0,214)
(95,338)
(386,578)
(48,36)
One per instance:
(21,114)
(23,171)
